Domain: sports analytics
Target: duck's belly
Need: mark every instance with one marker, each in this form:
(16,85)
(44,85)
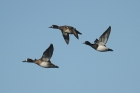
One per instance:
(102,48)
(44,64)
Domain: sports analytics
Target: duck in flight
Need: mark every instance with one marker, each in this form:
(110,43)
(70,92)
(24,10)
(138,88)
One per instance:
(66,30)
(100,45)
(44,61)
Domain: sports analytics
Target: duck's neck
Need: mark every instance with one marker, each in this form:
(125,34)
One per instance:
(95,46)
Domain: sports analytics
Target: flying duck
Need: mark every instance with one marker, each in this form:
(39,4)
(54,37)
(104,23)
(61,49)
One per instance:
(66,30)
(99,45)
(44,61)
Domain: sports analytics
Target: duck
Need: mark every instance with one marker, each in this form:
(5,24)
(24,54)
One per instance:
(100,45)
(44,61)
(66,30)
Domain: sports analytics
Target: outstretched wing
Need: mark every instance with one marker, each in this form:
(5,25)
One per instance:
(48,53)
(66,37)
(104,37)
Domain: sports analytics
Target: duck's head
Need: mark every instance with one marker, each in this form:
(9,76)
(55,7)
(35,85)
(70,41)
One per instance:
(87,43)
(28,60)
(54,26)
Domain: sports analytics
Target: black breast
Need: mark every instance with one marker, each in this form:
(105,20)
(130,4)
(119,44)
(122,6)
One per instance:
(95,46)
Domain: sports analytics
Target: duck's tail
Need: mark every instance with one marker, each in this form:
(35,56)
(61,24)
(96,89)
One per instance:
(78,32)
(110,49)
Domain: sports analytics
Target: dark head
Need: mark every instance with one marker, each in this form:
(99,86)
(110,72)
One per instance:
(28,60)
(87,43)
(54,26)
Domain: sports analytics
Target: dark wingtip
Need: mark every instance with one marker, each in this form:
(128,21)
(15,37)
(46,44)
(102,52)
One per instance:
(77,37)
(67,42)
(80,33)
(51,45)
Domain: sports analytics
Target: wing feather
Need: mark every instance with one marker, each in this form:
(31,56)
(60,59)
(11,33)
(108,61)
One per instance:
(66,37)
(48,53)
(104,37)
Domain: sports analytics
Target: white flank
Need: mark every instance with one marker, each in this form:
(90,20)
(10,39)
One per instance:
(44,64)
(102,48)
(67,31)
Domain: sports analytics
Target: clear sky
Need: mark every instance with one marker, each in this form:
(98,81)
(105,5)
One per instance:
(25,34)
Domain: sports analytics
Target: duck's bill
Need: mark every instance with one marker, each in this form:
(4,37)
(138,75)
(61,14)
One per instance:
(24,61)
(50,27)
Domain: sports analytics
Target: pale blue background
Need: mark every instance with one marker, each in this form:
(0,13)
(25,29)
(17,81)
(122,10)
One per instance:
(25,33)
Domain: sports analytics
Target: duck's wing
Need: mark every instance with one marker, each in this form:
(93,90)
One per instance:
(96,41)
(48,53)
(66,37)
(104,37)
(74,31)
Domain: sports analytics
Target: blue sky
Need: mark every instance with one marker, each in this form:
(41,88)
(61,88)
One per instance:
(25,33)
